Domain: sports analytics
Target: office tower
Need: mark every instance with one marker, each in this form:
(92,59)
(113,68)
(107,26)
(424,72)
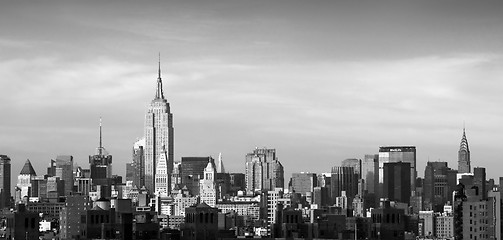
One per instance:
(464,155)
(370,170)
(397,154)
(396,186)
(438,185)
(139,163)
(263,171)
(304,182)
(64,170)
(129,172)
(192,171)
(100,164)
(354,163)
(344,179)
(162,180)
(159,134)
(24,180)
(220,164)
(207,186)
(4,182)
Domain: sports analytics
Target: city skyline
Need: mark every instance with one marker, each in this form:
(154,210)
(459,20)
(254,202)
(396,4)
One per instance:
(319,83)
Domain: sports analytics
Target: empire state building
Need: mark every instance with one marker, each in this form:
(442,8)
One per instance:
(158,135)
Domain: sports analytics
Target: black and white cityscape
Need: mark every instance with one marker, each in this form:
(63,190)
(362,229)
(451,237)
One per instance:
(225,119)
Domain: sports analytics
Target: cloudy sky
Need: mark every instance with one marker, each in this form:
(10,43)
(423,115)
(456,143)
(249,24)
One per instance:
(320,81)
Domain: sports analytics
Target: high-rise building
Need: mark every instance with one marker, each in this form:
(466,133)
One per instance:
(24,180)
(464,155)
(397,154)
(138,163)
(64,170)
(263,171)
(438,185)
(4,182)
(207,186)
(396,186)
(344,179)
(159,134)
(100,164)
(370,170)
(304,182)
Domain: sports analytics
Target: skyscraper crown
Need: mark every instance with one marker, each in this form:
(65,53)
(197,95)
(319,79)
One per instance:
(464,143)
(28,168)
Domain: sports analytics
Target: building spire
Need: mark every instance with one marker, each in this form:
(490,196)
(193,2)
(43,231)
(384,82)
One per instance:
(100,148)
(158,92)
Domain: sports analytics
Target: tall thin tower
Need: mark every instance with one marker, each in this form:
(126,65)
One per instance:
(158,134)
(464,155)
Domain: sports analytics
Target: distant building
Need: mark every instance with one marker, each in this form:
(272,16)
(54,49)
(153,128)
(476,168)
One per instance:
(207,186)
(192,170)
(304,182)
(464,155)
(439,183)
(396,185)
(370,171)
(344,179)
(263,171)
(5,187)
(388,223)
(397,154)
(159,134)
(64,170)
(138,163)
(24,183)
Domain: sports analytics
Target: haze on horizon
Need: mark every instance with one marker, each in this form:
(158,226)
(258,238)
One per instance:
(320,81)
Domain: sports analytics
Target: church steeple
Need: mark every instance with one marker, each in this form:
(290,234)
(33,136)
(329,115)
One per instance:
(158,92)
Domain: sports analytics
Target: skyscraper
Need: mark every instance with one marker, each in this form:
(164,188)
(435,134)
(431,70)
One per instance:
(396,186)
(344,179)
(64,170)
(4,182)
(263,171)
(100,164)
(207,186)
(397,154)
(464,155)
(138,163)
(24,180)
(159,134)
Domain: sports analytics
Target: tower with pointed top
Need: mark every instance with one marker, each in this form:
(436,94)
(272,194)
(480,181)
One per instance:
(159,133)
(100,163)
(162,182)
(464,155)
(24,182)
(207,186)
